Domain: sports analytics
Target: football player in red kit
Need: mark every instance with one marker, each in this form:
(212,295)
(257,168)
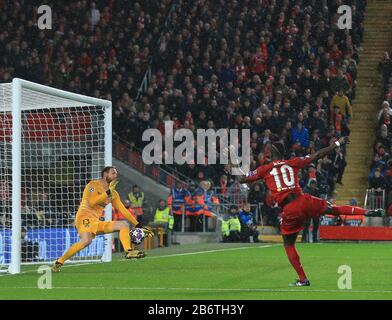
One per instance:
(281,177)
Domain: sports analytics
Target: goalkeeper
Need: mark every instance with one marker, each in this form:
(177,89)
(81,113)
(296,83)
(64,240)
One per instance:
(96,196)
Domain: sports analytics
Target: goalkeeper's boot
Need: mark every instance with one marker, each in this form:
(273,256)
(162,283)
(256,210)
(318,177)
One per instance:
(299,283)
(134,254)
(375,213)
(57,266)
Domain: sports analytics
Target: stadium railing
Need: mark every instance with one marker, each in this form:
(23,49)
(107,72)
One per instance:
(123,151)
(375,199)
(219,213)
(236,196)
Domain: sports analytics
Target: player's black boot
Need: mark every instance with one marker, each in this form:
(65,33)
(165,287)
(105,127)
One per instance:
(300,283)
(134,254)
(375,213)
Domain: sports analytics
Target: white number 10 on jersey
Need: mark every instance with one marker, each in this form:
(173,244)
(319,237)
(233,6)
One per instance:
(287,174)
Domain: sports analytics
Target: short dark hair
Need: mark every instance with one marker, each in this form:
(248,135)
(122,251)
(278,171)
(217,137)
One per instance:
(107,169)
(279,147)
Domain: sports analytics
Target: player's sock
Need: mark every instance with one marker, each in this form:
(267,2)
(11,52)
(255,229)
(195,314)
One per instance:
(125,239)
(295,261)
(74,249)
(348,210)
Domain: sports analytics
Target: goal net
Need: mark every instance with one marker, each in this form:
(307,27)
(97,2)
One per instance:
(52,143)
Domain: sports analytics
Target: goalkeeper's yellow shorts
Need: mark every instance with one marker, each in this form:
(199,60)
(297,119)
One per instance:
(93,226)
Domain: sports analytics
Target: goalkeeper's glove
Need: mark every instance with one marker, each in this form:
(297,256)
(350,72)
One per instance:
(147,230)
(113,185)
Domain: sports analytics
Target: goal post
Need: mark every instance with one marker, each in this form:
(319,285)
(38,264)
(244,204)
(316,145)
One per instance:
(52,143)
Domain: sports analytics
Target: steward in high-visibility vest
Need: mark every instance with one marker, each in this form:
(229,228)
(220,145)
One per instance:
(162,215)
(164,219)
(176,199)
(137,199)
(194,202)
(225,228)
(234,224)
(210,199)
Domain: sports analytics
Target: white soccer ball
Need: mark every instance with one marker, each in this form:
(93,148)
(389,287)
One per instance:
(137,235)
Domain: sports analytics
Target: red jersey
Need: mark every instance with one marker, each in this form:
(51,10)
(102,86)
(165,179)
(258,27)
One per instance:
(281,176)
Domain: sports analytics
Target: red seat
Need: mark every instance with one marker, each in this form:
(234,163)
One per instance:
(170,181)
(39,127)
(79,127)
(154,173)
(121,150)
(5,127)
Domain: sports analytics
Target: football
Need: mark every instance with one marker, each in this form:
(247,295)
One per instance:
(137,235)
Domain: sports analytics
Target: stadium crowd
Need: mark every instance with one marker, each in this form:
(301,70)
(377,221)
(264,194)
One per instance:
(99,48)
(279,68)
(380,176)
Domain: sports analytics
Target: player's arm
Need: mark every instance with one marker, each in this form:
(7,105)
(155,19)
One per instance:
(322,152)
(95,198)
(253,176)
(245,177)
(117,203)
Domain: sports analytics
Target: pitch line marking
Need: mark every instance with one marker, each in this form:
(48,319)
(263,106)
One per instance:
(153,257)
(207,251)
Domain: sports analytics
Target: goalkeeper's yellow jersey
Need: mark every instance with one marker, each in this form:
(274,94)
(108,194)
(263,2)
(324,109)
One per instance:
(94,201)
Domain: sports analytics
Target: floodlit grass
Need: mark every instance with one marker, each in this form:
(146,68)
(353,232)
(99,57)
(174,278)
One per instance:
(217,271)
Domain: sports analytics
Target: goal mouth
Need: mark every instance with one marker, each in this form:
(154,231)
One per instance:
(52,143)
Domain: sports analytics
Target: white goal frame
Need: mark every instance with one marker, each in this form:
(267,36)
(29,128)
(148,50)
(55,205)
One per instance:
(17,86)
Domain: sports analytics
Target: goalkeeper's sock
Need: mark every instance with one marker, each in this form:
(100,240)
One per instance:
(74,249)
(348,210)
(295,261)
(125,239)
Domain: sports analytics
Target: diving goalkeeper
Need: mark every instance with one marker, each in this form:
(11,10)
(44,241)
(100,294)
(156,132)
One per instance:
(96,196)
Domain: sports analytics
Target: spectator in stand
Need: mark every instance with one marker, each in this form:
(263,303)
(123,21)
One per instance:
(210,200)
(248,224)
(256,198)
(341,101)
(377,183)
(300,134)
(234,225)
(385,110)
(176,202)
(385,67)
(163,218)
(194,207)
(136,198)
(339,164)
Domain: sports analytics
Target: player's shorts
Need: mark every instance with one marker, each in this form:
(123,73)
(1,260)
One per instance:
(93,226)
(296,213)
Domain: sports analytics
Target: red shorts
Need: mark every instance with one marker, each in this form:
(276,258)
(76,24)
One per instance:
(296,213)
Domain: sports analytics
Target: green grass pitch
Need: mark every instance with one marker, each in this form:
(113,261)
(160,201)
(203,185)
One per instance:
(217,271)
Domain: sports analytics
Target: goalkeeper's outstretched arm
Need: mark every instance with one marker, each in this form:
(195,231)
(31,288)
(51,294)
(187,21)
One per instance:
(117,203)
